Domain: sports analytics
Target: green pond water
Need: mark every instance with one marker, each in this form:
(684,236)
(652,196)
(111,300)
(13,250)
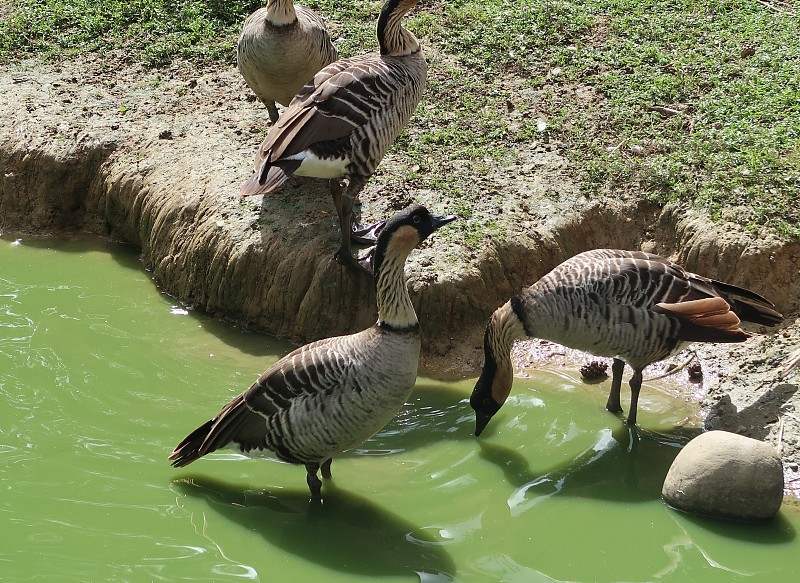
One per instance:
(101,376)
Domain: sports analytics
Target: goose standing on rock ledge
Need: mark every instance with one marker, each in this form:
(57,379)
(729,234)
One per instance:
(630,305)
(331,395)
(342,122)
(281,47)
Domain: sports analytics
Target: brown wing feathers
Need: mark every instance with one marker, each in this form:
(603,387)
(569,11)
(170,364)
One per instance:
(706,320)
(236,422)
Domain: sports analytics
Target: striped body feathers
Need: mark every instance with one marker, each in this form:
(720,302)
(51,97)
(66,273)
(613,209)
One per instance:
(281,47)
(331,395)
(343,120)
(635,307)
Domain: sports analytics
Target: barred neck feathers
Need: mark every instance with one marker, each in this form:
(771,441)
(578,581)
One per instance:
(503,329)
(395,309)
(281,12)
(394,39)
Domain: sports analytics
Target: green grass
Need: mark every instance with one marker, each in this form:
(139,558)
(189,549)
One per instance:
(730,67)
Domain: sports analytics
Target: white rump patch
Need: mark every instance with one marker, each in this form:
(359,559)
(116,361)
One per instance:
(316,167)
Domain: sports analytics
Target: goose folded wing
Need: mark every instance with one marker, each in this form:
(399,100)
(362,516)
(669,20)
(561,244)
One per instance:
(339,99)
(705,320)
(307,373)
(638,281)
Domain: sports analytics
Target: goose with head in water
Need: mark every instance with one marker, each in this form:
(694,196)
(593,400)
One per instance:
(635,307)
(331,395)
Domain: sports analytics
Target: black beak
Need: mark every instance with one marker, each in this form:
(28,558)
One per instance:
(439,221)
(481,419)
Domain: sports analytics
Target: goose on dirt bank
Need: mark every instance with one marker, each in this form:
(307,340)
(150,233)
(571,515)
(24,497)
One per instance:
(633,306)
(331,395)
(281,47)
(342,122)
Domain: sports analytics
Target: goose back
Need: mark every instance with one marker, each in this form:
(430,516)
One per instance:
(622,304)
(347,117)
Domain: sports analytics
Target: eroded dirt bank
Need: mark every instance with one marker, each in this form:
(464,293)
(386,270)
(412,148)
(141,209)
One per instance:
(156,159)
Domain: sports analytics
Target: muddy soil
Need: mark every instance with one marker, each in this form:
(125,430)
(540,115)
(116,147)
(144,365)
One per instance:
(155,158)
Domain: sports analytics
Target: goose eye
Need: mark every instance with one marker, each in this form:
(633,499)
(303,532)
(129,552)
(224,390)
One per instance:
(416,219)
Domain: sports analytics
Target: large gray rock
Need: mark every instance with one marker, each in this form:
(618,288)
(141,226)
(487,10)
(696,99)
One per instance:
(726,475)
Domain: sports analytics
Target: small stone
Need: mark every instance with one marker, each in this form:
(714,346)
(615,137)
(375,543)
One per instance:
(165,135)
(594,370)
(747,51)
(726,475)
(695,372)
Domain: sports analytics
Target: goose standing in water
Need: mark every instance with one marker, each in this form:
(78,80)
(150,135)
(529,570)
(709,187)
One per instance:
(281,47)
(331,395)
(342,122)
(633,306)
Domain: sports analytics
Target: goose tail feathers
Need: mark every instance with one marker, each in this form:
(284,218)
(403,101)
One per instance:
(269,178)
(705,320)
(190,448)
(748,305)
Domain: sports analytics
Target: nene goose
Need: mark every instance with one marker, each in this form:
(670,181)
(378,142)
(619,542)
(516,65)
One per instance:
(331,395)
(633,306)
(281,47)
(343,121)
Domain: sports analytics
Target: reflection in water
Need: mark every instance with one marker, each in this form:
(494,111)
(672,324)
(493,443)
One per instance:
(626,464)
(347,532)
(434,412)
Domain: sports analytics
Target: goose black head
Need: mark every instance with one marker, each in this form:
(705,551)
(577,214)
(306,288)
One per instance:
(404,231)
(481,400)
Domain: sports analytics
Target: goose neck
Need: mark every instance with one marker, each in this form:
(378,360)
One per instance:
(394,39)
(395,309)
(281,12)
(504,328)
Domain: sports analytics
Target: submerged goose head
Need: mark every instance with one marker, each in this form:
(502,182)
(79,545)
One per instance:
(494,384)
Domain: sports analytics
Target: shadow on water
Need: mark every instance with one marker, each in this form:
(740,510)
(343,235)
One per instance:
(346,533)
(776,531)
(625,464)
(252,343)
(125,255)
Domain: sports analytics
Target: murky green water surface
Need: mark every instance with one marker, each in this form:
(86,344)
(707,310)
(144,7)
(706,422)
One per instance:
(100,376)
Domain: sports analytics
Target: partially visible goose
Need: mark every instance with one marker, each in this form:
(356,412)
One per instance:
(343,121)
(281,47)
(633,306)
(331,395)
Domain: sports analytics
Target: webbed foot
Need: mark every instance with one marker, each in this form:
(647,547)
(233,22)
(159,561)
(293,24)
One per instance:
(358,265)
(365,234)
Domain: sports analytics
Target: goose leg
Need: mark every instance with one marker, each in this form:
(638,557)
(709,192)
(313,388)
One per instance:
(613,404)
(314,483)
(272,110)
(325,468)
(636,385)
(343,200)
